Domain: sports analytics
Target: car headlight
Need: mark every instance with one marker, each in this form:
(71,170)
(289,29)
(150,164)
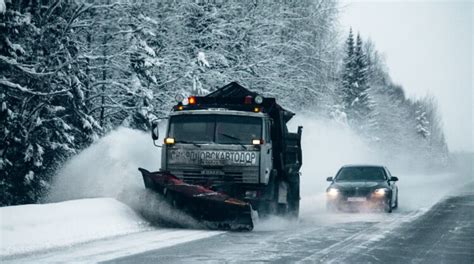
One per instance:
(380,191)
(332,192)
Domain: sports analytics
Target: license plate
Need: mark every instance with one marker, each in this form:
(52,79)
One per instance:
(356,199)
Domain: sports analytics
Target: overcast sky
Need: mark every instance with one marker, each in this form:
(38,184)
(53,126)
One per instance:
(428,47)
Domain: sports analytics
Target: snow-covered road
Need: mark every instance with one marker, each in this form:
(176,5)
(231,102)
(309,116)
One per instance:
(277,240)
(443,233)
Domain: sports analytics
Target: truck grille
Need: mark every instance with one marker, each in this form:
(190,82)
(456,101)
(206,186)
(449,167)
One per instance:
(217,175)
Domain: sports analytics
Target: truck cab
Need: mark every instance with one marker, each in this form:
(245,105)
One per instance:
(218,147)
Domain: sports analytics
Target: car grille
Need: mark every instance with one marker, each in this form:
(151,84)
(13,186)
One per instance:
(357,192)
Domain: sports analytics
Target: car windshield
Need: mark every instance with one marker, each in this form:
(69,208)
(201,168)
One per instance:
(361,174)
(222,129)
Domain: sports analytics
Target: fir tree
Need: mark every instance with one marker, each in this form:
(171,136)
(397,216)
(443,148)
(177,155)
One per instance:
(422,124)
(354,88)
(348,78)
(42,119)
(361,105)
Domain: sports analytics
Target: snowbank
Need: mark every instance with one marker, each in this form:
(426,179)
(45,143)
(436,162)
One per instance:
(27,228)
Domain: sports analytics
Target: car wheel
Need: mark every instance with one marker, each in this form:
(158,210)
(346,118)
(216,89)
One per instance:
(388,206)
(396,202)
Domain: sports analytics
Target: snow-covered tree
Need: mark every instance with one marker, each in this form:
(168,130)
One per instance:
(42,118)
(422,124)
(356,99)
(347,91)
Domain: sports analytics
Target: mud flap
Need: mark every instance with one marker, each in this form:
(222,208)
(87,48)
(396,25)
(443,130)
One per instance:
(216,210)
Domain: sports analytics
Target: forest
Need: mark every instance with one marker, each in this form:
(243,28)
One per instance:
(73,70)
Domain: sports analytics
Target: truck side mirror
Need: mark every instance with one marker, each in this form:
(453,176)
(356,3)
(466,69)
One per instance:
(155,134)
(329,179)
(393,178)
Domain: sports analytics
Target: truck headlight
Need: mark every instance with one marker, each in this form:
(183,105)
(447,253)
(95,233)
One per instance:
(169,141)
(332,192)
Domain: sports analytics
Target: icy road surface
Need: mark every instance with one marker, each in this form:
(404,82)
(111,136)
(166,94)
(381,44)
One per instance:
(444,234)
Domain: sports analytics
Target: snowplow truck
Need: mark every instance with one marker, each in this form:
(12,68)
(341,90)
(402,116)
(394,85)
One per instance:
(228,154)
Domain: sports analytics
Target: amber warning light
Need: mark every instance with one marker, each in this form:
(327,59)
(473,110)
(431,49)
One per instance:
(192,100)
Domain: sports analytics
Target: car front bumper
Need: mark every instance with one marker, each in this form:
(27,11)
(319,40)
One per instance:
(357,202)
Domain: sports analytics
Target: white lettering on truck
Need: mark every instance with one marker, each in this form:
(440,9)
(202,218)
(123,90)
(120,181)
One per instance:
(212,157)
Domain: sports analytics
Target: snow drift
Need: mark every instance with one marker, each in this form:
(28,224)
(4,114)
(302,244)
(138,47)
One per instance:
(27,228)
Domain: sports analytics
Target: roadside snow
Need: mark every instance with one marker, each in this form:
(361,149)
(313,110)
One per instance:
(116,247)
(28,228)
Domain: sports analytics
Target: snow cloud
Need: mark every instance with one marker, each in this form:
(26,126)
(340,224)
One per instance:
(107,168)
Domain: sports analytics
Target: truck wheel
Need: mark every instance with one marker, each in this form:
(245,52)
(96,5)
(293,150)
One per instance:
(282,209)
(294,209)
(294,198)
(271,208)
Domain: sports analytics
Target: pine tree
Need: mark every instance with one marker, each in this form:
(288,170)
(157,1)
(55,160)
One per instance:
(361,106)
(356,100)
(348,79)
(422,124)
(42,115)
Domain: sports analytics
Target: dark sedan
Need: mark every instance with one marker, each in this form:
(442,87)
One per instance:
(362,186)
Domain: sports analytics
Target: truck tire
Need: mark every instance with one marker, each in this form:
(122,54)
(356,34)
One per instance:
(282,209)
(270,205)
(268,209)
(294,198)
(293,209)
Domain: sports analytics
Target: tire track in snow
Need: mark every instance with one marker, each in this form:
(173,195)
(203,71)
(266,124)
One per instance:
(359,241)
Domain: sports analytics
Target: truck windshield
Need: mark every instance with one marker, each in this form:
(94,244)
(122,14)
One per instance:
(221,129)
(361,174)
